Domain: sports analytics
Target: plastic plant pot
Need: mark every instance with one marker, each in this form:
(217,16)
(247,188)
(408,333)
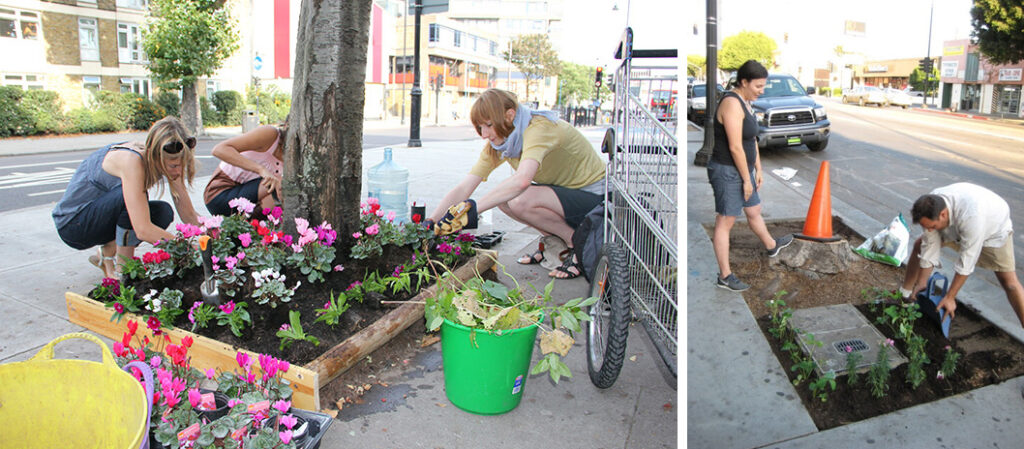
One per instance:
(299,432)
(221,400)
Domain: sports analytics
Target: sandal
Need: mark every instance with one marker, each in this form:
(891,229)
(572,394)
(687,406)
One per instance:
(569,262)
(98,260)
(532,259)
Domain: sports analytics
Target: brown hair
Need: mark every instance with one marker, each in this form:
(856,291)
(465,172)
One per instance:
(166,130)
(491,107)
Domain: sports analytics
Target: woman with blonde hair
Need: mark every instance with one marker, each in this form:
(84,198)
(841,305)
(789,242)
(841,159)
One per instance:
(107,202)
(558,175)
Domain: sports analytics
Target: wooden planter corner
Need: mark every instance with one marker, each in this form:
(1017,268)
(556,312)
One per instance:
(307,380)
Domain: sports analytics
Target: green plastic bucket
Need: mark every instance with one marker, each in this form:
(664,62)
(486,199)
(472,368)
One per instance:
(486,374)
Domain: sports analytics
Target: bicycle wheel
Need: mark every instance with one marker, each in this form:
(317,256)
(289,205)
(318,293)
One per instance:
(609,317)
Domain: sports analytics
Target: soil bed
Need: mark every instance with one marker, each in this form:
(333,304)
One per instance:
(988,355)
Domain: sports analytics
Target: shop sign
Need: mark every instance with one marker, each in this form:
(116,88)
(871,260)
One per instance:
(874,68)
(1009,74)
(953,50)
(949,69)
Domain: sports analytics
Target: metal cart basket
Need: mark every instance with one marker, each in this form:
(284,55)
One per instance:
(636,273)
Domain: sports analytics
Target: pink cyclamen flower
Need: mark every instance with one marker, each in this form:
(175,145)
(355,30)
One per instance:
(243,360)
(286,436)
(233,402)
(357,234)
(155,361)
(391,216)
(297,248)
(289,421)
(242,205)
(379,213)
(283,406)
(373,230)
(194,397)
(211,222)
(211,373)
(246,239)
(372,200)
(339,268)
(287,239)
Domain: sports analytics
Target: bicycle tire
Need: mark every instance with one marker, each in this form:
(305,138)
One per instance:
(606,335)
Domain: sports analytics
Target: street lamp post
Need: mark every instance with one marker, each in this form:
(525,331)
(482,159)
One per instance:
(416,94)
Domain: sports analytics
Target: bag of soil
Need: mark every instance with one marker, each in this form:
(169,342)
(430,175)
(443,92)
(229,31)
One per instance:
(890,246)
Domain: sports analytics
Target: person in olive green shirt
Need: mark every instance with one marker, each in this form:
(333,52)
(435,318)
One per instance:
(558,175)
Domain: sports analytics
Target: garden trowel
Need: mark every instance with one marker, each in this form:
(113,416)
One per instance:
(929,298)
(208,288)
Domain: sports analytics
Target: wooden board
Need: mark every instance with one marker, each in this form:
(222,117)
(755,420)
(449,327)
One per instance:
(305,380)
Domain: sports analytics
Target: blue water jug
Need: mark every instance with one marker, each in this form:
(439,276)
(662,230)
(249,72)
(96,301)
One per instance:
(929,298)
(389,183)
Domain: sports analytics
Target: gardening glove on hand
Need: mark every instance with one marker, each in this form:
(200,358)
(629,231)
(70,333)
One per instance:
(459,216)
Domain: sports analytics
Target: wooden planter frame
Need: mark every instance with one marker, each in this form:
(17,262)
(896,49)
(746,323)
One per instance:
(306,380)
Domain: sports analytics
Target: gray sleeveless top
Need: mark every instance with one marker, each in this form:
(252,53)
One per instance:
(88,183)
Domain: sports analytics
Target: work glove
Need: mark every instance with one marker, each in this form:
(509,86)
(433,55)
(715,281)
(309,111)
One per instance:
(459,216)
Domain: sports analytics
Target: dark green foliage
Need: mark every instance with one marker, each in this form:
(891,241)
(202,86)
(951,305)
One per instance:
(14,119)
(210,115)
(229,106)
(45,108)
(145,113)
(170,102)
(997,29)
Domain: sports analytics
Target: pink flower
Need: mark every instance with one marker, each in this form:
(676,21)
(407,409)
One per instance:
(301,225)
(849,349)
(353,285)
(227,308)
(283,406)
(327,305)
(242,205)
(339,268)
(118,307)
(233,402)
(277,212)
(246,239)
(939,375)
(373,230)
(286,436)
(243,360)
(297,248)
(211,373)
(889,342)
(283,365)
(230,262)
(188,230)
(211,222)
(391,216)
(379,213)
(371,200)
(192,310)
(289,421)
(287,239)
(194,397)
(119,349)
(285,327)
(357,234)
(155,361)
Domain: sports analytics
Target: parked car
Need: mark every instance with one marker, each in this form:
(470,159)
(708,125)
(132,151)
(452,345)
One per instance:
(696,99)
(865,95)
(788,116)
(899,98)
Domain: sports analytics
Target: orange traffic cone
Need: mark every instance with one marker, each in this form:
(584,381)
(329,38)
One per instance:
(818,225)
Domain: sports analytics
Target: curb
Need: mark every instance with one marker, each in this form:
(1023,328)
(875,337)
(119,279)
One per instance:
(955,114)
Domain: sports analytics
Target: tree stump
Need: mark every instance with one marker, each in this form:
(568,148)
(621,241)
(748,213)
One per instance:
(817,257)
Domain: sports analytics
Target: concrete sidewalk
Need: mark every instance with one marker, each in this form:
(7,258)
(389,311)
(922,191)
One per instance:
(639,411)
(738,395)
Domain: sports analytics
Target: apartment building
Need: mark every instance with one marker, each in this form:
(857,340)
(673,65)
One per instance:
(72,46)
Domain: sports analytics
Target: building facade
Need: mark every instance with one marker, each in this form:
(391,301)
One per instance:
(970,83)
(74,47)
(893,73)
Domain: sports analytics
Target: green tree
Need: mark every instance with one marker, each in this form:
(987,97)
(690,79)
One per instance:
(576,82)
(533,55)
(918,80)
(745,46)
(186,40)
(999,30)
(696,65)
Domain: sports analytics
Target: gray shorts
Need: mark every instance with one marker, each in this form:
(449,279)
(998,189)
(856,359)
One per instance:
(728,187)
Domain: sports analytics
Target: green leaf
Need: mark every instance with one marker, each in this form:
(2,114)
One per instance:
(435,323)
(572,302)
(589,301)
(541,366)
(569,321)
(496,290)
(548,288)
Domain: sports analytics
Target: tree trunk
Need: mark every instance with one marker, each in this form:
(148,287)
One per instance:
(191,113)
(323,146)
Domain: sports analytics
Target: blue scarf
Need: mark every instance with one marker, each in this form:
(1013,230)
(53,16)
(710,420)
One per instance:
(513,145)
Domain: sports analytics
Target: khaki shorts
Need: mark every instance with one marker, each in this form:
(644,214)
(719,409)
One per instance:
(995,259)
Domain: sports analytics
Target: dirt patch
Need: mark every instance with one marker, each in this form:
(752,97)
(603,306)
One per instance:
(989,355)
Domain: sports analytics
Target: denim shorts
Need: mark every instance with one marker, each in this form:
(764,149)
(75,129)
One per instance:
(106,219)
(728,187)
(249,190)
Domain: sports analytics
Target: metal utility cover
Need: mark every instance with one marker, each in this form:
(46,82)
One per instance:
(836,327)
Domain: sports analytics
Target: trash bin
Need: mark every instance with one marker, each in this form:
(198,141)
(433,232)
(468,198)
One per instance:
(250,120)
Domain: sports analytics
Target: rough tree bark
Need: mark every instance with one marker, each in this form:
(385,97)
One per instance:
(191,113)
(323,145)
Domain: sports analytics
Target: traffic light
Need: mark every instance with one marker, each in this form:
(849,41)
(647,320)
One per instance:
(926,65)
(599,78)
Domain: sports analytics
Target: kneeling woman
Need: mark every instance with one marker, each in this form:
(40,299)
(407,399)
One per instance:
(107,204)
(250,168)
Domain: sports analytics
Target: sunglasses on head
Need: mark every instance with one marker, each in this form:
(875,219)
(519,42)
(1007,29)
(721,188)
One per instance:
(175,147)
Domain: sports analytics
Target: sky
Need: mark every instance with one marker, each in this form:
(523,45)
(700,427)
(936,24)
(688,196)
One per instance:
(893,28)
(592,28)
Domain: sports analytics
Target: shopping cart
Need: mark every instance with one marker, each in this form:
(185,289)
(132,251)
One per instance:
(636,273)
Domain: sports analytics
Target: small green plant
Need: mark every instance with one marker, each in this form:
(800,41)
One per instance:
(289,333)
(780,315)
(853,359)
(918,358)
(819,388)
(271,288)
(878,376)
(234,315)
(333,309)
(166,305)
(200,315)
(948,363)
(803,370)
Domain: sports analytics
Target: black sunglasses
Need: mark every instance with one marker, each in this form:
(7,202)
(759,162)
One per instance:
(175,147)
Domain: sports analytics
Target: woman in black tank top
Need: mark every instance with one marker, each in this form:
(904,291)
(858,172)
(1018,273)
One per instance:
(734,170)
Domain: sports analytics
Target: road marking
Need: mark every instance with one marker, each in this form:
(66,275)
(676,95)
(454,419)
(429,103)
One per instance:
(904,181)
(8,167)
(59,175)
(47,193)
